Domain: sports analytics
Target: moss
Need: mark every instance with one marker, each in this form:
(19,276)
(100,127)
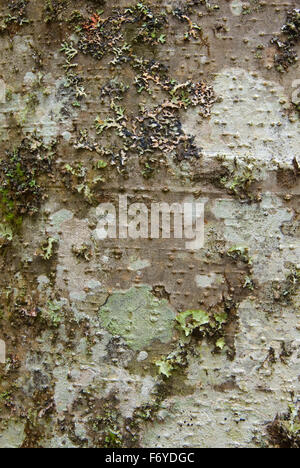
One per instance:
(240,182)
(5,396)
(107,427)
(20,192)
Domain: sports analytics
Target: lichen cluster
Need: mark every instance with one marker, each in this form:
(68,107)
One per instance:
(287,53)
(16,16)
(284,431)
(156,129)
(20,172)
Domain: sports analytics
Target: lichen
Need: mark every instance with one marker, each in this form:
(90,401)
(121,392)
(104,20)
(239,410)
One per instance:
(17,15)
(20,170)
(287,54)
(138,317)
(48,248)
(125,344)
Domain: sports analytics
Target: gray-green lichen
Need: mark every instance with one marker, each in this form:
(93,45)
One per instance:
(139,317)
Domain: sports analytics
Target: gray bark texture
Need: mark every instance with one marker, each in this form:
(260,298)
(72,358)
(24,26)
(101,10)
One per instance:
(127,343)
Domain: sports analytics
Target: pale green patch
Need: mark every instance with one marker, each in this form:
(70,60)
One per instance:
(6,232)
(173,361)
(221,343)
(221,318)
(192,319)
(139,265)
(236,7)
(101,164)
(293,425)
(61,217)
(165,367)
(139,317)
(48,248)
(13,435)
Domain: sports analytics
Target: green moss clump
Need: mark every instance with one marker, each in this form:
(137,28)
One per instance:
(107,426)
(20,191)
(48,248)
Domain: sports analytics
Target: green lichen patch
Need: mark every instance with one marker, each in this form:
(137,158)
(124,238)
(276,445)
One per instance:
(194,325)
(83,180)
(6,235)
(48,248)
(13,435)
(139,317)
(240,182)
(175,360)
(83,251)
(191,319)
(206,324)
(20,191)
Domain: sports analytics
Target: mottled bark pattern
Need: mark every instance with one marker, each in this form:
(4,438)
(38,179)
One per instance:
(144,343)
